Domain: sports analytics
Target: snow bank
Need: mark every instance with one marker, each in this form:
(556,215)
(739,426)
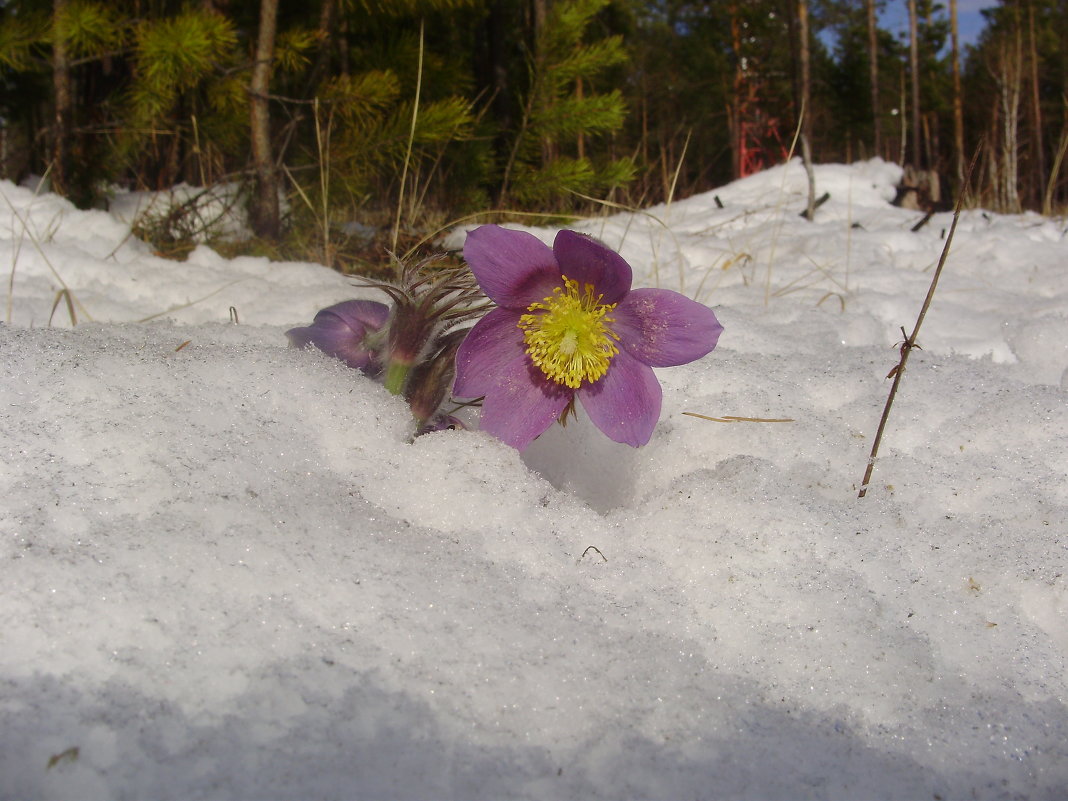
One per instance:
(230,574)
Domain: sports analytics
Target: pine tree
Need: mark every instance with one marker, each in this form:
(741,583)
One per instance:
(187,88)
(681,90)
(368,115)
(547,161)
(65,40)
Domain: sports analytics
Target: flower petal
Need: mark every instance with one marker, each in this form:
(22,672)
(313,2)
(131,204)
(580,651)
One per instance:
(513,268)
(587,261)
(625,404)
(366,313)
(494,341)
(339,331)
(336,340)
(522,403)
(663,328)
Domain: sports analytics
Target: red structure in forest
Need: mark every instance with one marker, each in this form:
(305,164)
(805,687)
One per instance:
(759,142)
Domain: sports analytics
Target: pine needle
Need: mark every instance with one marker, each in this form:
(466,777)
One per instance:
(730,418)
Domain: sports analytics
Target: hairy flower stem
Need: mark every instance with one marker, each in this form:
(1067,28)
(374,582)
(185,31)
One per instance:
(396,376)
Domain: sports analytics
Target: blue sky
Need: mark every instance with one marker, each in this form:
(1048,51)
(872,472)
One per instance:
(895,17)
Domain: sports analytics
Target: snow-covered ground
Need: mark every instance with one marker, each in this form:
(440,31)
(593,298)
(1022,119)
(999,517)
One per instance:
(227,573)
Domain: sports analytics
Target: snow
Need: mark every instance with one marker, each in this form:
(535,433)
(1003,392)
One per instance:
(228,573)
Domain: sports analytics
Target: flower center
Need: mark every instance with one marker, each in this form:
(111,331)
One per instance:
(568,336)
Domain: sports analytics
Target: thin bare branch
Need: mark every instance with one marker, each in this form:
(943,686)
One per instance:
(910,341)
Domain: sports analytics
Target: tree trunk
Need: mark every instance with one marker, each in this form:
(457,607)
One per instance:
(958,100)
(498,23)
(327,42)
(1008,77)
(64,103)
(1039,161)
(873,77)
(736,107)
(903,105)
(265,213)
(539,11)
(914,68)
(806,105)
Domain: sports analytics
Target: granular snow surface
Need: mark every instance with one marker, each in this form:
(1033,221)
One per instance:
(229,574)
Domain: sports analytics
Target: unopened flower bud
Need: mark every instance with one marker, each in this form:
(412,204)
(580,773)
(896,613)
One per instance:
(430,381)
(346,331)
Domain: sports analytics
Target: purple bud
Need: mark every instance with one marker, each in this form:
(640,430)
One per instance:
(444,422)
(342,331)
(410,330)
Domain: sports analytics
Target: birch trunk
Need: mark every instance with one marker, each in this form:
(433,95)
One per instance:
(1008,75)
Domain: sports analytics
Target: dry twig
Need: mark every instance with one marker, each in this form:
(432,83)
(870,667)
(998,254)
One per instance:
(907,346)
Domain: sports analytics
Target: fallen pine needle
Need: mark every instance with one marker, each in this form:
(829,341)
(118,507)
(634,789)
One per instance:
(730,418)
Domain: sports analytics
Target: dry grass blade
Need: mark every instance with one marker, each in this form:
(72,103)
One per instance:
(664,228)
(727,264)
(180,306)
(25,231)
(502,215)
(667,212)
(910,341)
(411,140)
(730,418)
(63,294)
(778,209)
(1051,185)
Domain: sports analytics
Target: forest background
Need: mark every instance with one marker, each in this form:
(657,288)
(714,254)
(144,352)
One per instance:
(348,127)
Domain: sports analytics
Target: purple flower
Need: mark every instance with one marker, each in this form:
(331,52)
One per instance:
(343,331)
(568,325)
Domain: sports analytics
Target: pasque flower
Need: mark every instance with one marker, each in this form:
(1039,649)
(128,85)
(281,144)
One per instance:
(345,331)
(411,346)
(568,325)
(429,301)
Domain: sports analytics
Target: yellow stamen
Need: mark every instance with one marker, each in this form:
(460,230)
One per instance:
(568,335)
